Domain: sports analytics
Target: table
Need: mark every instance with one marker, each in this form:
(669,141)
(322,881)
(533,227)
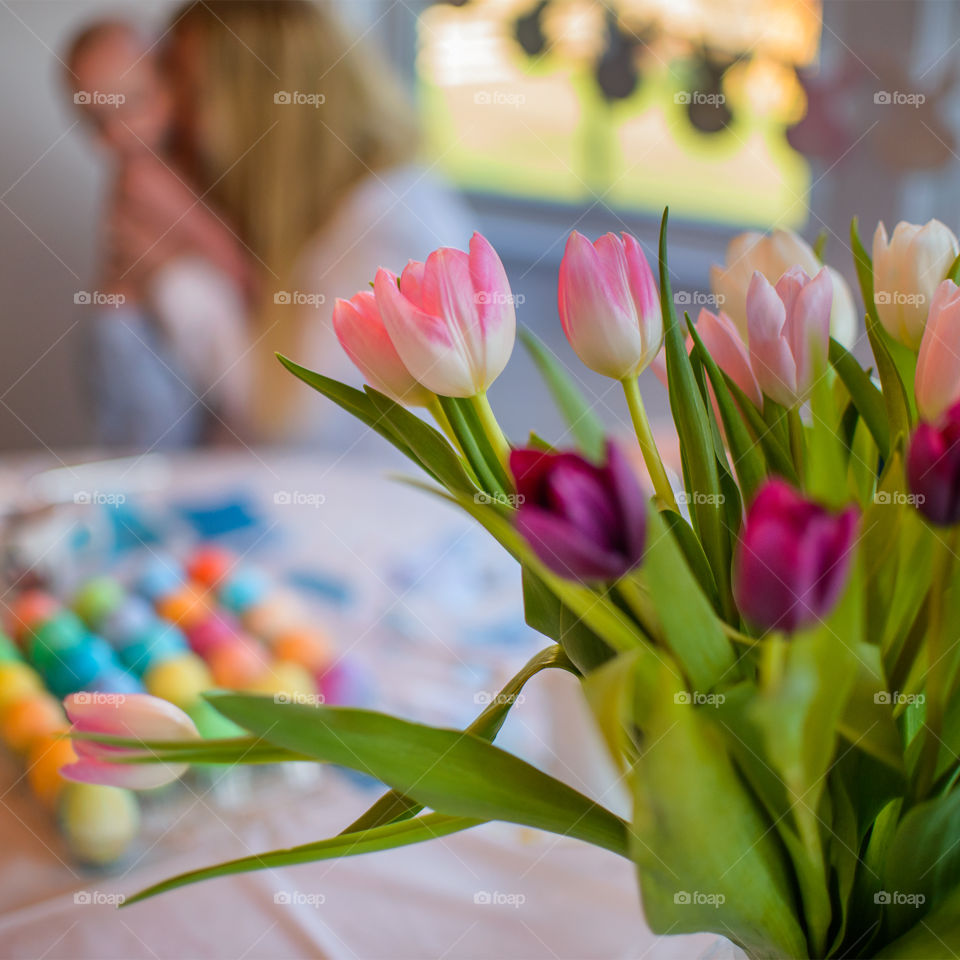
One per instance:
(497,891)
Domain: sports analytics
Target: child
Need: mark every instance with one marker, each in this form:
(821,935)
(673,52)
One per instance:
(194,306)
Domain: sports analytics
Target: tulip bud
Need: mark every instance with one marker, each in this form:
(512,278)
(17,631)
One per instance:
(907,270)
(363,336)
(585,522)
(792,559)
(789,333)
(451,319)
(137,716)
(724,343)
(609,304)
(773,255)
(933,469)
(937,383)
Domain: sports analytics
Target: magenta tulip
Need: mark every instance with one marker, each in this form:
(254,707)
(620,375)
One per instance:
(789,333)
(585,522)
(933,469)
(137,716)
(609,304)
(792,559)
(937,384)
(451,319)
(364,337)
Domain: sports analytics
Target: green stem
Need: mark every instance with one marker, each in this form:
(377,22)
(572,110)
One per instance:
(795,428)
(648,447)
(492,429)
(443,422)
(936,675)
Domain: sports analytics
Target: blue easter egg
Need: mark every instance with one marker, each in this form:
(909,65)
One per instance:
(160,577)
(129,620)
(243,590)
(159,641)
(49,640)
(78,667)
(116,680)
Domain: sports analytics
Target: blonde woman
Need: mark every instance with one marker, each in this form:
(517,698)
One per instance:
(300,142)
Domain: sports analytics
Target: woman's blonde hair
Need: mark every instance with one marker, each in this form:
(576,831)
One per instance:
(292,115)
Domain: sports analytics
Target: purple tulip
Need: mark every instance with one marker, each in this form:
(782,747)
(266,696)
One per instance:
(792,559)
(585,522)
(933,469)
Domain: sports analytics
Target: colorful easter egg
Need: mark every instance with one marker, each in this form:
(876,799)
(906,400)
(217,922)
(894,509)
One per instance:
(268,619)
(45,758)
(116,680)
(9,651)
(180,680)
(243,590)
(48,641)
(29,610)
(31,718)
(214,631)
(237,665)
(99,824)
(97,599)
(78,667)
(210,565)
(17,680)
(160,577)
(285,679)
(132,617)
(310,648)
(344,683)
(186,607)
(159,641)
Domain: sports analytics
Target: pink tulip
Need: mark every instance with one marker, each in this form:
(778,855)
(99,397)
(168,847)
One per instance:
(138,716)
(609,305)
(723,342)
(451,319)
(364,337)
(789,333)
(937,385)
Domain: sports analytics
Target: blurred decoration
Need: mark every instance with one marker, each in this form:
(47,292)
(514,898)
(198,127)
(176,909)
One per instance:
(529,30)
(617,74)
(628,100)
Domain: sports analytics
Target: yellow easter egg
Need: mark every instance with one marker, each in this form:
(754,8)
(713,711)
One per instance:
(47,756)
(31,718)
(99,823)
(17,680)
(180,680)
(288,678)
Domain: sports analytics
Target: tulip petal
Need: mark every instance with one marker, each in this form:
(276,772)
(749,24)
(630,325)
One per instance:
(495,308)
(133,776)
(724,343)
(937,383)
(770,356)
(631,502)
(136,715)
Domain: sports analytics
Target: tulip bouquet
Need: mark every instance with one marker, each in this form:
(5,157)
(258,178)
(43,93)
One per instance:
(768,642)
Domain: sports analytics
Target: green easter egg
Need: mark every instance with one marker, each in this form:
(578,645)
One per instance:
(97,599)
(99,823)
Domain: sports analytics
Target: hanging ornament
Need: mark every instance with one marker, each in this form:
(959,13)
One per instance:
(707,108)
(616,69)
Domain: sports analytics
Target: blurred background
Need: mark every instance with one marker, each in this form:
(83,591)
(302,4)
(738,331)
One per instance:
(546,115)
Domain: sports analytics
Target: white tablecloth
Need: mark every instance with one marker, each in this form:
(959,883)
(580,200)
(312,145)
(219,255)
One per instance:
(550,897)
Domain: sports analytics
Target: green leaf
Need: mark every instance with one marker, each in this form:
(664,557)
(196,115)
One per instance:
(354,401)
(778,456)
(866,397)
(700,838)
(476,446)
(696,441)
(825,471)
(748,462)
(936,937)
(691,629)
(387,837)
(584,424)
(693,552)
(428,446)
(450,771)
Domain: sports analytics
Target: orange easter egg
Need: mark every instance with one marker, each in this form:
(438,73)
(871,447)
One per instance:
(236,666)
(31,718)
(45,759)
(29,610)
(209,565)
(309,648)
(186,606)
